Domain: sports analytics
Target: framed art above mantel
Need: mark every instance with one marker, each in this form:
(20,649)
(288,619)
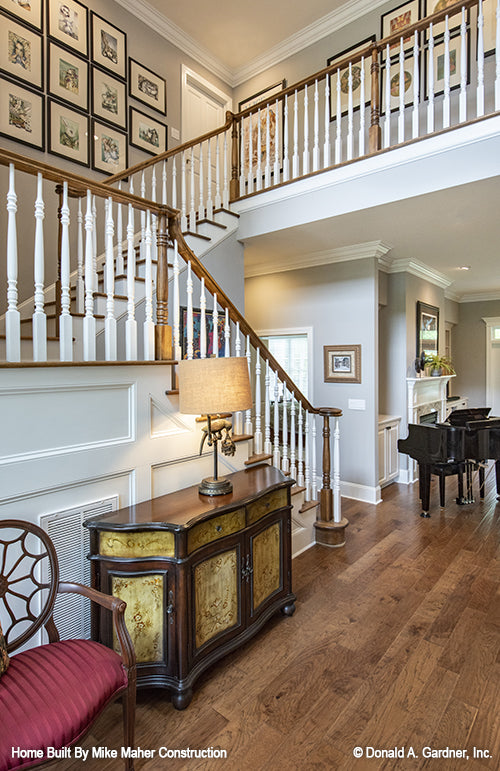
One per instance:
(427,329)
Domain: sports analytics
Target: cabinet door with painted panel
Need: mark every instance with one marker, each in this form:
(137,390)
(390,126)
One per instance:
(268,548)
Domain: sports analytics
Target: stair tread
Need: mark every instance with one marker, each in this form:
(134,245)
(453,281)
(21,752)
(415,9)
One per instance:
(258,458)
(241,437)
(296,490)
(226,211)
(196,235)
(206,221)
(307,505)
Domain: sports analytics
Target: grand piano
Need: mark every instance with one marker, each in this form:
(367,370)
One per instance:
(464,442)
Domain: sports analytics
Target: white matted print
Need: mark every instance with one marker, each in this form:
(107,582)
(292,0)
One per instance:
(109,98)
(147,133)
(21,114)
(29,11)
(343,79)
(68,77)
(407,81)
(490,26)
(67,23)
(147,87)
(109,149)
(439,59)
(20,52)
(109,46)
(68,133)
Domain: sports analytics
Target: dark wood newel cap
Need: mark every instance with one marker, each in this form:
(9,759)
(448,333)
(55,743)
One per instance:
(331,412)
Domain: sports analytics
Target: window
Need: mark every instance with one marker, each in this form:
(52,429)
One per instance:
(291,351)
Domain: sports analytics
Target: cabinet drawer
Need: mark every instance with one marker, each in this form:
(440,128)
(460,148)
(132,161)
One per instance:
(270,502)
(141,544)
(216,528)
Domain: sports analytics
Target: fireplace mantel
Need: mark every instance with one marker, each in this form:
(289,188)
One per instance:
(425,395)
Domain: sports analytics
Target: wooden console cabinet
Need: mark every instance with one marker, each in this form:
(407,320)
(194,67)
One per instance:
(199,575)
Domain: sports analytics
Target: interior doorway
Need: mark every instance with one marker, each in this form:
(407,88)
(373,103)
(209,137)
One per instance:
(493,364)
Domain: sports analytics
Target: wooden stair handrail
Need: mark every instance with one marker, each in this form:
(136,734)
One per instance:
(201,272)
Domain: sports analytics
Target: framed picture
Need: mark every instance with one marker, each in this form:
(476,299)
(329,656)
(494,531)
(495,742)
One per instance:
(342,363)
(434,6)
(68,133)
(109,98)
(396,21)
(427,329)
(68,77)
(21,52)
(209,323)
(22,114)
(30,12)
(110,149)
(147,87)
(344,79)
(67,22)
(109,46)
(408,82)
(147,133)
(265,114)
(489,26)
(455,56)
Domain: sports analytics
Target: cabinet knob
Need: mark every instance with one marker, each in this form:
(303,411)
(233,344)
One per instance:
(218,528)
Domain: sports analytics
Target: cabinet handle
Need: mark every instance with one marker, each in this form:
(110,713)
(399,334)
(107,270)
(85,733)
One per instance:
(247,570)
(218,528)
(170,607)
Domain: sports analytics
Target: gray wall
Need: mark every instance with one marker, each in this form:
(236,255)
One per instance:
(469,350)
(340,303)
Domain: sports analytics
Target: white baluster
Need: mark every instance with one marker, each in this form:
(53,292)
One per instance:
(257,437)
(94,243)
(174,182)
(149,327)
(285,463)
(238,416)
(337,515)
(131,323)
(189,292)
(201,204)
(164,183)
(416,88)
(215,329)
(218,199)
(497,57)
(446,96)
(314,478)
(326,143)
(300,458)
(225,190)
(210,203)
(203,321)
(305,154)
(120,265)
(192,211)
(401,117)
(250,156)
(154,218)
(276,445)
(462,110)
(39,317)
(286,161)
(387,122)
(293,464)
(227,335)
(338,135)
(316,128)
(480,61)
(259,152)
(80,286)
(153,184)
(111,351)
(268,447)
(430,83)
(89,329)
(237,342)
(142,245)
(267,166)
(307,462)
(242,156)
(362,109)
(12,316)
(248,429)
(65,320)
(175,300)
(295,158)
(184,222)
(276,169)
(350,116)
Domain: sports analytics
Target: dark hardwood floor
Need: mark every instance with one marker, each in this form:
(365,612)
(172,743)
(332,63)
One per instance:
(395,643)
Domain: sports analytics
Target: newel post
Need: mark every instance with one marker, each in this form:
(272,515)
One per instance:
(234,185)
(375,135)
(163,332)
(330,526)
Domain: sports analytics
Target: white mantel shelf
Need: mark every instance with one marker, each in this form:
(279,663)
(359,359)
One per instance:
(425,394)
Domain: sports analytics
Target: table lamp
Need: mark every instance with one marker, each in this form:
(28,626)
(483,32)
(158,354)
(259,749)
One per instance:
(211,387)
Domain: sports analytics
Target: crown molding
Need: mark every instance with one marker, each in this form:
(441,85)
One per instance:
(175,35)
(375,249)
(419,269)
(479,297)
(333,21)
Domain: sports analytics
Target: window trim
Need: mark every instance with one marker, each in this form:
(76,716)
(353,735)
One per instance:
(288,332)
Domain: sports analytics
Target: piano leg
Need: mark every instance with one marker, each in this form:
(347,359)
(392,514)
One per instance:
(481,480)
(497,472)
(460,500)
(424,475)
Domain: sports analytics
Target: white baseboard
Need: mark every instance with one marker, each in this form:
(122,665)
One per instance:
(360,492)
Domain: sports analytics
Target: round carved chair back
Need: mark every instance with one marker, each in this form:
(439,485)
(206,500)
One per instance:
(29,577)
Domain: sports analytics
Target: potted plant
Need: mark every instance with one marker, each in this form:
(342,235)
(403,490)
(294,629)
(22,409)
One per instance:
(439,365)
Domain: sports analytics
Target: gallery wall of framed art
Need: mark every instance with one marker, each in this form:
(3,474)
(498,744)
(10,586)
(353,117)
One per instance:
(66,81)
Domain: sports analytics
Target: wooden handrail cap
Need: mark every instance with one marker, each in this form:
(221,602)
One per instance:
(331,412)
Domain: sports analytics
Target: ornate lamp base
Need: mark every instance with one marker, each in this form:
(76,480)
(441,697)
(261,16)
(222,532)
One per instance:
(211,486)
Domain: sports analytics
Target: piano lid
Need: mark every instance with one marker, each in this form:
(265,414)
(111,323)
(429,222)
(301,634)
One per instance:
(461,417)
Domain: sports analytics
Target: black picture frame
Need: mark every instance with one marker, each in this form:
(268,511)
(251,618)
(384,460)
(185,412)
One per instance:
(249,102)
(57,89)
(12,95)
(75,121)
(21,52)
(146,141)
(71,27)
(209,325)
(147,86)
(427,329)
(344,75)
(438,51)
(108,46)
(106,163)
(410,12)
(30,14)
(409,70)
(109,106)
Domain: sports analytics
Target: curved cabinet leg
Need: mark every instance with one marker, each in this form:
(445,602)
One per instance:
(182,699)
(289,609)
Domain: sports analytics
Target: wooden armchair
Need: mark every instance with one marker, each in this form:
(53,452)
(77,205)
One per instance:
(51,694)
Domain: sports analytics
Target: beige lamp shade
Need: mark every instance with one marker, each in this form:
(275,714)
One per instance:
(210,386)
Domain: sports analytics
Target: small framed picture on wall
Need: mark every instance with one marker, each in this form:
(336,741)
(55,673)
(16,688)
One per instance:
(68,133)
(147,133)
(109,46)
(29,12)
(21,52)
(147,87)
(110,149)
(109,98)
(22,114)
(342,363)
(68,77)
(67,22)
